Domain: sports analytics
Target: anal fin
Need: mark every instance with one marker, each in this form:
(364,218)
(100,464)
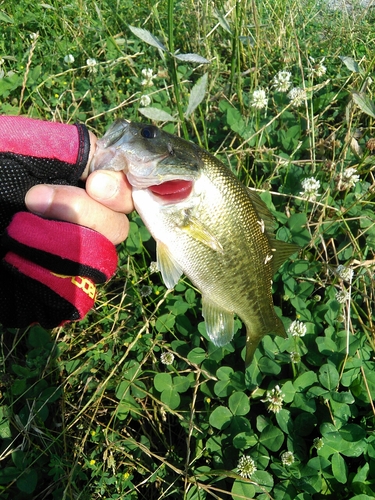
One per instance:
(219,322)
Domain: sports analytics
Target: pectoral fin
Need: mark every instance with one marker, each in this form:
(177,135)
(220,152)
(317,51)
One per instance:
(219,323)
(170,269)
(195,229)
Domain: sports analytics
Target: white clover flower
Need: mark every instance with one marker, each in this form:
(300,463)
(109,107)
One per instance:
(342,296)
(295,357)
(345,273)
(147,73)
(281,82)
(167,358)
(310,188)
(91,62)
(297,329)
(347,179)
(148,77)
(153,267)
(317,69)
(259,99)
(297,96)
(246,467)
(274,399)
(145,100)
(33,36)
(287,458)
(69,59)
(318,443)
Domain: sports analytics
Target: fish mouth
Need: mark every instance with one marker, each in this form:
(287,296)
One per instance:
(172,191)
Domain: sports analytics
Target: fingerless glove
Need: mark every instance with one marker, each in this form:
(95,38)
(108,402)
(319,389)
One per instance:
(48,269)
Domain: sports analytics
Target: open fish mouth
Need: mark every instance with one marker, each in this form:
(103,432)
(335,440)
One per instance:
(172,191)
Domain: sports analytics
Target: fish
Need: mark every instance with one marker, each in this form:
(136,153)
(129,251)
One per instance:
(207,225)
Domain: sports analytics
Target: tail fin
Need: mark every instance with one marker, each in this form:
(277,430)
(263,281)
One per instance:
(252,340)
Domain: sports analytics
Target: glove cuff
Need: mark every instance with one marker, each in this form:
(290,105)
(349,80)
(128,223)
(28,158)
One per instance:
(51,298)
(72,249)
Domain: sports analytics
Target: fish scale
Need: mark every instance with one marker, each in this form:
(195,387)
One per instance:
(219,234)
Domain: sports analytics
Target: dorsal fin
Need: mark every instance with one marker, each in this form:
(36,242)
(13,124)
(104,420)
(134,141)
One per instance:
(263,212)
(281,249)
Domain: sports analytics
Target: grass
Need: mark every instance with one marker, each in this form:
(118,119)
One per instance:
(90,411)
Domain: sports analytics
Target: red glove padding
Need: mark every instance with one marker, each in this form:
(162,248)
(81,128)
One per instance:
(50,270)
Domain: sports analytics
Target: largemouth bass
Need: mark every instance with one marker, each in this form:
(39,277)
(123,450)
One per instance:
(206,224)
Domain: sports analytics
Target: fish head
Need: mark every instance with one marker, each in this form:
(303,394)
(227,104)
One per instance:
(151,159)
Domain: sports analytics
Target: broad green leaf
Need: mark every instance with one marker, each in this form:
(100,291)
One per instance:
(170,398)
(165,323)
(268,366)
(310,480)
(162,381)
(239,403)
(343,397)
(193,58)
(197,355)
(263,480)
(285,421)
(242,489)
(223,388)
(72,365)
(339,468)
(220,418)
(130,369)
(353,433)
(364,103)
(27,481)
(297,225)
(157,114)
(271,437)
(245,440)
(289,391)
(305,381)
(328,376)
(8,474)
(224,373)
(239,424)
(38,336)
(5,431)
(139,389)
(147,37)
(350,63)
(197,95)
(361,474)
(181,384)
(284,490)
(304,403)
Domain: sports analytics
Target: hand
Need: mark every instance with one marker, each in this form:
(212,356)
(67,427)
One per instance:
(100,207)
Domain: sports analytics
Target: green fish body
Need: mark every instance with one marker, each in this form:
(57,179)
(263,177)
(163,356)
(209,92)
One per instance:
(207,225)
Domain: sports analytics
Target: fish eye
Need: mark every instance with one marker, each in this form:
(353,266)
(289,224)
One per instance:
(149,132)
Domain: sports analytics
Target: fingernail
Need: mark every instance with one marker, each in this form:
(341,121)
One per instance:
(102,186)
(39,198)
